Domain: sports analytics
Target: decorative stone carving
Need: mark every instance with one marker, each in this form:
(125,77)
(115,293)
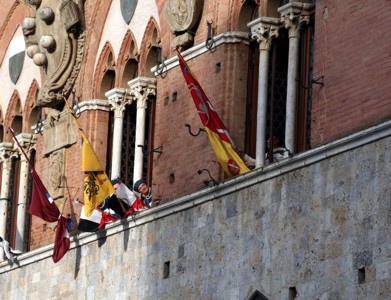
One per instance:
(59,132)
(294,15)
(182,16)
(56,174)
(263,30)
(142,89)
(55,40)
(118,99)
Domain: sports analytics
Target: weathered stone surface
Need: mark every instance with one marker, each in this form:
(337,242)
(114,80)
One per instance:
(59,132)
(316,236)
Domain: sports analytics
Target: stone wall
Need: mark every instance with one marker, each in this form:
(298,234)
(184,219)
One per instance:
(316,226)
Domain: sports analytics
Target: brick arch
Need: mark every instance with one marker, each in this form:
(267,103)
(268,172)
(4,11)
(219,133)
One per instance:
(95,16)
(106,62)
(151,39)
(13,20)
(240,13)
(272,8)
(14,110)
(125,54)
(29,106)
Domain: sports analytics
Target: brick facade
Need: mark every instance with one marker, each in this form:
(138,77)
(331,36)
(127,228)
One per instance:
(351,62)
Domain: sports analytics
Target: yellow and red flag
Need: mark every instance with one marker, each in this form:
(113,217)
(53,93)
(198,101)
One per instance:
(219,137)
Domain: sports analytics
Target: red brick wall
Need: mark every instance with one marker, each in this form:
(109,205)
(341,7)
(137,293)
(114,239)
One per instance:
(353,53)
(184,154)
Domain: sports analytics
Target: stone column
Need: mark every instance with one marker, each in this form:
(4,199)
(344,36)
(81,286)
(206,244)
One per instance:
(5,157)
(118,99)
(25,140)
(293,15)
(263,30)
(142,89)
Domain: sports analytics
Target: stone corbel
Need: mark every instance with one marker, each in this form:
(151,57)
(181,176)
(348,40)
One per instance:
(294,15)
(263,30)
(142,89)
(118,99)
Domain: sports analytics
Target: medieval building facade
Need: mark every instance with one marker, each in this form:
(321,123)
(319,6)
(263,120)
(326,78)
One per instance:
(313,223)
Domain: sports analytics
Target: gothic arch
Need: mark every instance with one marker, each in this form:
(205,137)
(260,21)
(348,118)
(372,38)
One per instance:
(128,58)
(30,112)
(241,12)
(148,51)
(94,32)
(105,72)
(14,117)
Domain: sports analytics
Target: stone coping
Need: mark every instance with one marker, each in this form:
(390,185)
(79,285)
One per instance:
(208,194)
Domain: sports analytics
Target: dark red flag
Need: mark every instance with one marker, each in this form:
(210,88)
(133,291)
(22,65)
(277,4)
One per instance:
(43,206)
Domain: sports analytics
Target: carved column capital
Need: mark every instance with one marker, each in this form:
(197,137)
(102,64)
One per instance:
(263,30)
(294,15)
(118,99)
(142,89)
(27,141)
(6,151)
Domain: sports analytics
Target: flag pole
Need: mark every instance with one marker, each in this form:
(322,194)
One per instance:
(72,113)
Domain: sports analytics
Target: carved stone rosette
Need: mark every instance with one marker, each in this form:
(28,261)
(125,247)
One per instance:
(55,41)
(182,16)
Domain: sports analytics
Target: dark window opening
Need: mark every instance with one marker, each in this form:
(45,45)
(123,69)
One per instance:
(166,270)
(277,89)
(109,143)
(292,293)
(27,228)
(361,275)
(128,144)
(304,102)
(12,210)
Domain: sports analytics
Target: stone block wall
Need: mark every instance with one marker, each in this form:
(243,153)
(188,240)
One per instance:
(313,227)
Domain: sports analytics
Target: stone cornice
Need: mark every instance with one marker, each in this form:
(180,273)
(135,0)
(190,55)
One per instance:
(93,104)
(231,37)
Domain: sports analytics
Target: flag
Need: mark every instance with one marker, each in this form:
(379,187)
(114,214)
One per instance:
(90,223)
(125,194)
(219,137)
(61,241)
(97,186)
(43,206)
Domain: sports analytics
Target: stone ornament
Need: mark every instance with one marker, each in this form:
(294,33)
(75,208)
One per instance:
(55,40)
(182,16)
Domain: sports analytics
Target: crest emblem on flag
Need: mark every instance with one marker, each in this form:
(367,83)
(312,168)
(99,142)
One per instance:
(127,9)
(16,58)
(233,167)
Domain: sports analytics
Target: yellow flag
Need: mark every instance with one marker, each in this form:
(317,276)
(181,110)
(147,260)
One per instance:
(97,187)
(89,162)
